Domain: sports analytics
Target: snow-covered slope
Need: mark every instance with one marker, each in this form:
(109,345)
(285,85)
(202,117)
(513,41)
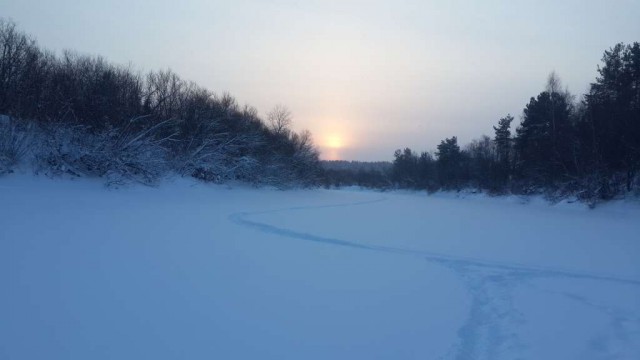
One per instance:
(189,271)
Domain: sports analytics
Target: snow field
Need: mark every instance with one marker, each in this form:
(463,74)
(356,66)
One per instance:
(190,271)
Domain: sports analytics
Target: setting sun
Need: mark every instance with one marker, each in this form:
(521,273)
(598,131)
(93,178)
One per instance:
(334,142)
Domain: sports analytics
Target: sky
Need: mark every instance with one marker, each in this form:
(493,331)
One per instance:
(365,77)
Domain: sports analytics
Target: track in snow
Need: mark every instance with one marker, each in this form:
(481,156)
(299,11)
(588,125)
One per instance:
(242,218)
(487,331)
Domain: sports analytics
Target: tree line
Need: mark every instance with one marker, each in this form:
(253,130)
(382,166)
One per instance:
(339,173)
(588,148)
(84,116)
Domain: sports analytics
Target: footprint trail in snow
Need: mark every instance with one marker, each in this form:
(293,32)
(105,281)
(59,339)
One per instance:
(490,329)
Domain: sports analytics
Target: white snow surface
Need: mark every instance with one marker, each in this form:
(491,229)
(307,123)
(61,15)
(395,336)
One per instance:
(194,271)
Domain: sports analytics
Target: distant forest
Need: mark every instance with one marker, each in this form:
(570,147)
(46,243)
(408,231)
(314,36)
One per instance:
(80,115)
(563,146)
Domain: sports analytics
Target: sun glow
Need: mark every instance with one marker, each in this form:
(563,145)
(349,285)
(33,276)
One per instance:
(335,137)
(334,142)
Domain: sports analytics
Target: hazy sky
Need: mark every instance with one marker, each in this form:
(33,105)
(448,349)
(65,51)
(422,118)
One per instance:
(369,76)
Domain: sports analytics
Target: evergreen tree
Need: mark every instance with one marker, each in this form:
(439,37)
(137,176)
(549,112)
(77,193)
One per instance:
(611,126)
(449,162)
(405,168)
(426,172)
(502,140)
(545,141)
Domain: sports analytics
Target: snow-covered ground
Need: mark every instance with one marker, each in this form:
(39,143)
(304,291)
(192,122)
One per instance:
(190,271)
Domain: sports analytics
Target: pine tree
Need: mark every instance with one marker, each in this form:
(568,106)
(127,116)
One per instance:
(503,140)
(449,162)
(613,113)
(545,142)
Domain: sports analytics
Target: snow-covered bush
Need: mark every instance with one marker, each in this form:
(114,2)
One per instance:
(228,168)
(119,155)
(213,156)
(15,142)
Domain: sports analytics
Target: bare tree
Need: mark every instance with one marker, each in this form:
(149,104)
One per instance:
(16,54)
(554,84)
(279,119)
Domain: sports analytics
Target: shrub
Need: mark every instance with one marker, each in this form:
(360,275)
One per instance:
(15,142)
(119,155)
